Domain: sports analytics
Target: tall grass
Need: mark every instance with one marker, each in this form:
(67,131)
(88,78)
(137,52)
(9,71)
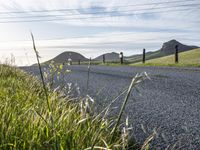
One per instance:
(26,122)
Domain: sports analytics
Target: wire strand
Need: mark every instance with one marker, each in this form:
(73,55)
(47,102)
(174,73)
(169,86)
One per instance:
(75,9)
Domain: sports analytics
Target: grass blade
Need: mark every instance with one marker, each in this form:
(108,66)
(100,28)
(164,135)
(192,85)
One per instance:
(137,79)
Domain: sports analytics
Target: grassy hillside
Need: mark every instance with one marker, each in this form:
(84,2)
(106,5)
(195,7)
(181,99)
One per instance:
(189,58)
(168,48)
(149,55)
(28,123)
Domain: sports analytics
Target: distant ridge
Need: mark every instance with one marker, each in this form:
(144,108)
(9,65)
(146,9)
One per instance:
(63,57)
(108,57)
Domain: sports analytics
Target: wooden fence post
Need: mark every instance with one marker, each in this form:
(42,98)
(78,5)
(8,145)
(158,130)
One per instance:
(104,58)
(143,59)
(176,54)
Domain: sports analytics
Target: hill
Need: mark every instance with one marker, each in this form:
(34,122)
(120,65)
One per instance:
(63,57)
(188,58)
(167,48)
(108,57)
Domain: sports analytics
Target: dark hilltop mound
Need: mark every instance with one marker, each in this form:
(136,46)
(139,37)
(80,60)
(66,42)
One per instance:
(168,47)
(108,57)
(63,57)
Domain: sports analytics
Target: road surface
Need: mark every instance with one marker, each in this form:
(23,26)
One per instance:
(169,102)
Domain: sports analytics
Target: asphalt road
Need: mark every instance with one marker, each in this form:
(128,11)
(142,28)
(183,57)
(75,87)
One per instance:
(169,102)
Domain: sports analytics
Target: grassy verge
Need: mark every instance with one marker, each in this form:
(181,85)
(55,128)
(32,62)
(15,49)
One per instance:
(27,124)
(186,59)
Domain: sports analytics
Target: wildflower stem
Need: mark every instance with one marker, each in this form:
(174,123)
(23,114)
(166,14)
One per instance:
(41,74)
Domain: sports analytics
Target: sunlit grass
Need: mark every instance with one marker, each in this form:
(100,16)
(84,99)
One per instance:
(27,124)
(189,58)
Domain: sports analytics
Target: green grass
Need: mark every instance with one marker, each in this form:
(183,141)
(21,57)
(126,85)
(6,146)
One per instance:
(149,55)
(189,58)
(26,122)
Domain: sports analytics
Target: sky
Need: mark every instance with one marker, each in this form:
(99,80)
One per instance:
(94,27)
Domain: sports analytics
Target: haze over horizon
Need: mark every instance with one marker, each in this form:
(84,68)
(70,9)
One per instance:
(94,27)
